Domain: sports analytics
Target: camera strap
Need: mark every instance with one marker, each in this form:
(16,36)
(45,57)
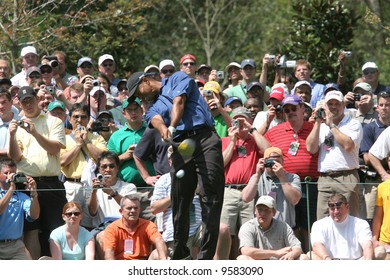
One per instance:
(84,153)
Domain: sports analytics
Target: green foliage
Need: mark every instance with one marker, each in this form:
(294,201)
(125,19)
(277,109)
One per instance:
(319,30)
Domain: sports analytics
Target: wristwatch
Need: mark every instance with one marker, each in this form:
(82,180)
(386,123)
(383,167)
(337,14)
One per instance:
(333,126)
(114,194)
(252,129)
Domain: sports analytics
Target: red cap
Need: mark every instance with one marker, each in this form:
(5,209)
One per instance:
(277,93)
(187,56)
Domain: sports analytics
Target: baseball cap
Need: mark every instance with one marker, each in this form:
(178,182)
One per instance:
(166,62)
(33,69)
(232,64)
(131,100)
(329,87)
(105,112)
(241,111)
(248,61)
(271,150)
(187,56)
(204,66)
(214,86)
(44,66)
(369,65)
(84,59)
(363,86)
(5,81)
(25,92)
(266,200)
(255,84)
(200,83)
(231,99)
(301,83)
(55,104)
(123,81)
(277,93)
(334,94)
(292,100)
(96,89)
(27,50)
(152,66)
(105,57)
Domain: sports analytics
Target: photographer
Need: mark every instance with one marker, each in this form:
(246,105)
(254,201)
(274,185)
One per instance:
(14,206)
(271,179)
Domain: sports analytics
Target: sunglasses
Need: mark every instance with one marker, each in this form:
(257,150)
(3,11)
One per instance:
(104,166)
(69,214)
(83,117)
(34,76)
(171,71)
(369,71)
(384,94)
(122,89)
(336,205)
(86,66)
(286,110)
(108,65)
(189,63)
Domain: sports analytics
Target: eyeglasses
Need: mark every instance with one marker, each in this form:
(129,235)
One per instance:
(189,63)
(122,89)
(83,117)
(104,166)
(336,205)
(48,71)
(86,66)
(34,76)
(369,71)
(171,71)
(108,65)
(286,110)
(69,214)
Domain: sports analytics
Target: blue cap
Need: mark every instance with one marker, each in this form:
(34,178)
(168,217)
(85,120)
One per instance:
(292,100)
(248,61)
(231,99)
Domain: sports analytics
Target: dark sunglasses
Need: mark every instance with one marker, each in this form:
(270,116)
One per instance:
(384,94)
(122,89)
(335,205)
(48,71)
(34,76)
(189,63)
(286,110)
(86,66)
(369,71)
(104,166)
(83,117)
(168,71)
(108,65)
(69,214)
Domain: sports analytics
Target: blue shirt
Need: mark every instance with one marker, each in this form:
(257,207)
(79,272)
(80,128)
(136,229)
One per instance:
(196,112)
(12,219)
(371,132)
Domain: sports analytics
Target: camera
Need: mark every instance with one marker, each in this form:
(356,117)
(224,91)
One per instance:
(51,90)
(284,63)
(220,75)
(236,123)
(356,97)
(347,53)
(53,61)
(100,177)
(271,57)
(19,179)
(80,127)
(95,83)
(269,162)
(278,108)
(20,123)
(320,113)
(208,94)
(98,127)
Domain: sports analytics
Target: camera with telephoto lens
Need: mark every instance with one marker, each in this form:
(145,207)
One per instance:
(269,162)
(356,96)
(51,90)
(284,63)
(95,83)
(278,108)
(53,61)
(97,126)
(320,113)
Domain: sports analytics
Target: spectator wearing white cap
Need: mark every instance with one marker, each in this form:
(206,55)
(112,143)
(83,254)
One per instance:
(370,75)
(234,75)
(107,66)
(97,102)
(84,67)
(167,68)
(303,90)
(337,138)
(264,237)
(154,70)
(29,58)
